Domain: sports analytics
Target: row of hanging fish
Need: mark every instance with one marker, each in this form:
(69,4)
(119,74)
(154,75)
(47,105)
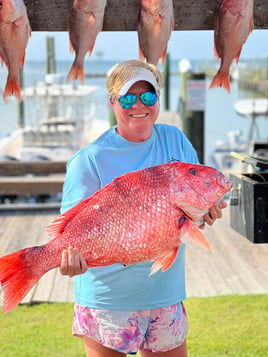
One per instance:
(155,23)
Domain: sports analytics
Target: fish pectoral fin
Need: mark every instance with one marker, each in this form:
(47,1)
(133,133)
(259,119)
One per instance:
(165,261)
(190,231)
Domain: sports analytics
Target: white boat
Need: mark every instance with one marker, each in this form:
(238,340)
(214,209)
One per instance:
(61,130)
(221,157)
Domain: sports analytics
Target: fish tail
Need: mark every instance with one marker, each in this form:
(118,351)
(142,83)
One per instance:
(76,72)
(12,88)
(221,80)
(18,274)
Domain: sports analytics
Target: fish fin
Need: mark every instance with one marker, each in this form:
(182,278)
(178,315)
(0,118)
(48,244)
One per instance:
(91,49)
(72,50)
(76,72)
(12,88)
(165,261)
(190,231)
(216,54)
(221,80)
(17,277)
(141,55)
(251,25)
(163,57)
(22,61)
(57,226)
(237,57)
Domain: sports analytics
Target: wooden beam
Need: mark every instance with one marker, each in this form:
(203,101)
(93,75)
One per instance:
(19,168)
(121,15)
(33,185)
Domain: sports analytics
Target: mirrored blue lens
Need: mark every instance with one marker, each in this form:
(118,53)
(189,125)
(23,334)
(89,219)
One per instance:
(128,100)
(148,98)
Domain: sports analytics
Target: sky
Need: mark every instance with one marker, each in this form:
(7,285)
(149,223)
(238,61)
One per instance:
(124,45)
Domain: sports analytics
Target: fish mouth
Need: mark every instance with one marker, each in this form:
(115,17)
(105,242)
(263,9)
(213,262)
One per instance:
(222,182)
(195,214)
(197,222)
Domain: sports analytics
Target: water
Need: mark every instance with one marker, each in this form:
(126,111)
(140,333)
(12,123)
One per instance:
(220,116)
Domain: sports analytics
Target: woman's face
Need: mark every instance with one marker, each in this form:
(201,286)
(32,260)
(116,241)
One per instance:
(136,123)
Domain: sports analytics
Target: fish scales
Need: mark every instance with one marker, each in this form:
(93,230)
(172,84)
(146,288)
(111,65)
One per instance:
(15,31)
(232,26)
(115,215)
(141,216)
(85,21)
(155,25)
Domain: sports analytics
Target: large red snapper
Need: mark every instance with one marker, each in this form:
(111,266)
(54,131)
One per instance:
(141,216)
(233,24)
(84,24)
(15,31)
(155,24)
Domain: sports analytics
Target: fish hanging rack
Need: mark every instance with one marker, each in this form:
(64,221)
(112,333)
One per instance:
(121,15)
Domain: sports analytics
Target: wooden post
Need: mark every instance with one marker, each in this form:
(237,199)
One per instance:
(192,109)
(112,118)
(166,73)
(50,64)
(51,105)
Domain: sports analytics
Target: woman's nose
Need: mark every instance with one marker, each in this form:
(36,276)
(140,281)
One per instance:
(138,102)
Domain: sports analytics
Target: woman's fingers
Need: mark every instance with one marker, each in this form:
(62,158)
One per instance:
(72,262)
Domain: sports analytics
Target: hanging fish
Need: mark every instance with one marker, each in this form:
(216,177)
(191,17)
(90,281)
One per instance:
(84,23)
(233,24)
(15,31)
(155,24)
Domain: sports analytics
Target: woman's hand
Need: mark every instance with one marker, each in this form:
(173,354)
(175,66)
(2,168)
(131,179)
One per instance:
(72,262)
(214,213)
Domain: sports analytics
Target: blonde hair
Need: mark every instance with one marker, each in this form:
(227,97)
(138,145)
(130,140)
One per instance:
(124,71)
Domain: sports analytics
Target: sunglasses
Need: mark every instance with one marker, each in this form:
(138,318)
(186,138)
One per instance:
(128,100)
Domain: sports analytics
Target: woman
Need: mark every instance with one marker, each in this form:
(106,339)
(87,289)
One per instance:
(120,310)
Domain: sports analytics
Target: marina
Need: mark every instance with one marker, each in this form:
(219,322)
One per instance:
(60,130)
(34,155)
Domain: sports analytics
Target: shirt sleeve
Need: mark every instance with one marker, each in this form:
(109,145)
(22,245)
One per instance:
(81,180)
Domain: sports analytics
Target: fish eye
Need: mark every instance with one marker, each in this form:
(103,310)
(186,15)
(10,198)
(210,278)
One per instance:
(193,171)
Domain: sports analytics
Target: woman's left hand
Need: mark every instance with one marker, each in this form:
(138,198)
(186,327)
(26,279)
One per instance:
(214,213)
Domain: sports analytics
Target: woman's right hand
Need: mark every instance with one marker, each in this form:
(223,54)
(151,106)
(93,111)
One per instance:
(72,262)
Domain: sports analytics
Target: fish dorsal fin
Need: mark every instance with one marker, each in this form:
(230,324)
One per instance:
(57,226)
(165,261)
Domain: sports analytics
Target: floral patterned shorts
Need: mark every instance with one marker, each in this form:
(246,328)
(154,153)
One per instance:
(156,330)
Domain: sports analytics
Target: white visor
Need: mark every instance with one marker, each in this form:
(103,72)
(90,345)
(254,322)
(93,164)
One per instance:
(140,74)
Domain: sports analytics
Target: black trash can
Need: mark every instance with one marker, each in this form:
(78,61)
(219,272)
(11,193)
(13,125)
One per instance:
(249,203)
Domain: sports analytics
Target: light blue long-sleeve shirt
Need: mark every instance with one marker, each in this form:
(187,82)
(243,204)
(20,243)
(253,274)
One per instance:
(117,287)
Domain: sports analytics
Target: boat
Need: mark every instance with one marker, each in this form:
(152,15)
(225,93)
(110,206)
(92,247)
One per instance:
(222,157)
(60,131)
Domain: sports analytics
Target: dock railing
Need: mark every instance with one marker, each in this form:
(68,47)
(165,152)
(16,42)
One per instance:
(31,178)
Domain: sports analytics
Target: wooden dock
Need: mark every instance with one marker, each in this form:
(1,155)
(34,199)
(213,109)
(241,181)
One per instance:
(235,266)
